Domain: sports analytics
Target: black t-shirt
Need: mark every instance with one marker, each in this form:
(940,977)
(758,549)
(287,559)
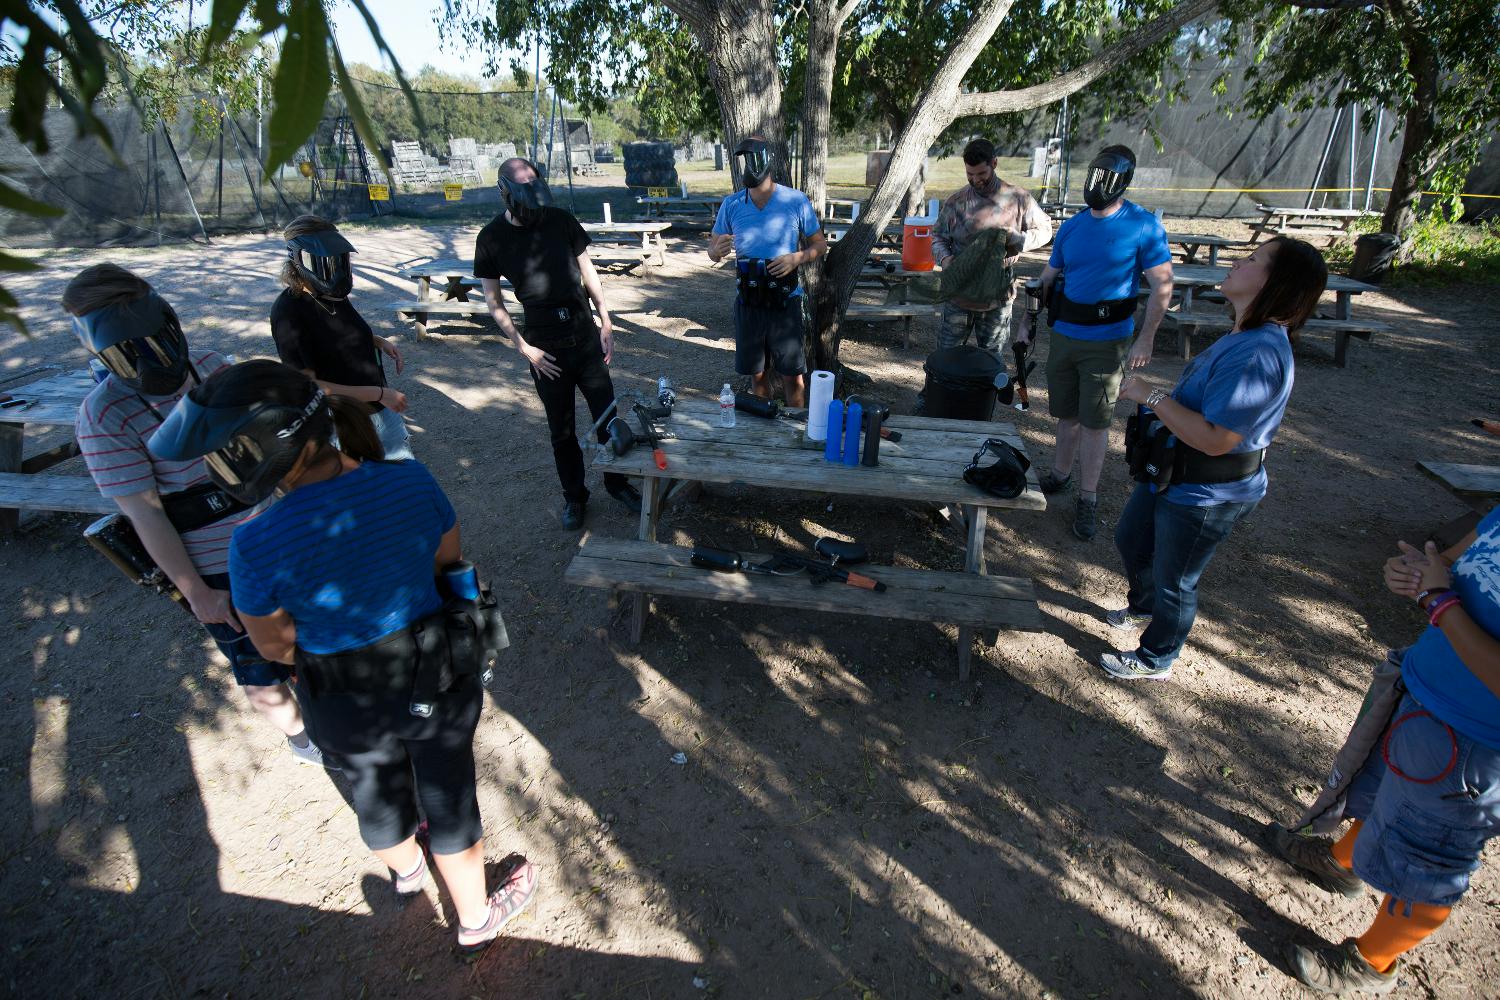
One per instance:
(336,347)
(540,261)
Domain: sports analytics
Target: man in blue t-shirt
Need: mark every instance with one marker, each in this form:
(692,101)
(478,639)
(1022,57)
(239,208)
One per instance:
(773,230)
(1097,261)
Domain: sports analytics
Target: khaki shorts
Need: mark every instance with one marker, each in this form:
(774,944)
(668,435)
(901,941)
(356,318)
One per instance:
(1083,378)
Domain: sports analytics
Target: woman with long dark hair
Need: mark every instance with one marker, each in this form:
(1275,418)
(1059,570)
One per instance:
(338,578)
(1199,449)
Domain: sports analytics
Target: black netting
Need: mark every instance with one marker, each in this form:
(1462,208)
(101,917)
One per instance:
(173,181)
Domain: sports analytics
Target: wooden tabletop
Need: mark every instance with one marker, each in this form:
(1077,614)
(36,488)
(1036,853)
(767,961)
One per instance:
(1193,239)
(54,400)
(680,200)
(1199,275)
(1315,213)
(927,464)
(1476,481)
(633,228)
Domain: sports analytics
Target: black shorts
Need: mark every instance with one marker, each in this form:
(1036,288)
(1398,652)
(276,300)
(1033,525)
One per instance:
(395,760)
(769,338)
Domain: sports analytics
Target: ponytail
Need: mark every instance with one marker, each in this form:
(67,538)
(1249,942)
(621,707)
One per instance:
(356,431)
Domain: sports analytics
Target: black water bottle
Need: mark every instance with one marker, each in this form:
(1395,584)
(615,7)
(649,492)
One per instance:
(873,419)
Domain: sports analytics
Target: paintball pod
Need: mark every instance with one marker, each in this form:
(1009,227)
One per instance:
(790,564)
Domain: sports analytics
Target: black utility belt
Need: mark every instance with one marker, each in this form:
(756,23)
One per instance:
(199,506)
(1157,456)
(759,289)
(554,316)
(1065,310)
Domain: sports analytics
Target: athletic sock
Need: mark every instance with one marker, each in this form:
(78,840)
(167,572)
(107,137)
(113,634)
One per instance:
(300,741)
(1343,850)
(1396,931)
(414,868)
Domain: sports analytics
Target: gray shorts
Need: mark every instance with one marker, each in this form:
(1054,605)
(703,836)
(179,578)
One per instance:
(770,338)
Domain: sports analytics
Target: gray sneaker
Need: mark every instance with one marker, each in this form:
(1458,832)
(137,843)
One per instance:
(1125,619)
(1050,484)
(1313,857)
(1129,667)
(1339,971)
(1086,518)
(310,754)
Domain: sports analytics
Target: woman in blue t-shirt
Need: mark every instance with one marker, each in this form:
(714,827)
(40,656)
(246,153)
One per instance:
(1222,414)
(332,578)
(1427,797)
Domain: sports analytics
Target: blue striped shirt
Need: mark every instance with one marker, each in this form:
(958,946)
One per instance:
(350,558)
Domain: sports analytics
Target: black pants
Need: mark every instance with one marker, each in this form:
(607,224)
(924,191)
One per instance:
(581,359)
(395,760)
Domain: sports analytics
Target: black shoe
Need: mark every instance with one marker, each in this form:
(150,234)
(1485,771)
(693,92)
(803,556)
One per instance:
(1086,518)
(627,495)
(572,515)
(1050,484)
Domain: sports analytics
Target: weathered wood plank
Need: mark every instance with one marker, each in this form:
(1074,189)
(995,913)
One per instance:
(1465,480)
(74,493)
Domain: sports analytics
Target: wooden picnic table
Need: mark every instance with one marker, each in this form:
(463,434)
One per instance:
(1283,221)
(1476,485)
(926,465)
(1191,243)
(1189,277)
(52,401)
(689,207)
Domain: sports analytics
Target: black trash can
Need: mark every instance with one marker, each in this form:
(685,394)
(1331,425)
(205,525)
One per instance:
(1374,253)
(960,383)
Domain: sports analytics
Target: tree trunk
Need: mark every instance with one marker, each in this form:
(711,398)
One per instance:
(1420,155)
(738,39)
(916,193)
(823,26)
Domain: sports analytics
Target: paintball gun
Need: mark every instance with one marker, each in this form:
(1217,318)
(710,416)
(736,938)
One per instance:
(1024,367)
(790,564)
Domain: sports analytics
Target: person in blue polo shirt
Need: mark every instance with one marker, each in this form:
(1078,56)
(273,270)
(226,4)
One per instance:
(773,230)
(1091,283)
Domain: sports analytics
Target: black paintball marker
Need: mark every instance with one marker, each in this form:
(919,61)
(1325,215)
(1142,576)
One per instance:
(789,564)
(1024,368)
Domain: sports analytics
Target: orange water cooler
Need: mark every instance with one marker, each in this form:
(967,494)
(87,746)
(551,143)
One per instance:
(916,243)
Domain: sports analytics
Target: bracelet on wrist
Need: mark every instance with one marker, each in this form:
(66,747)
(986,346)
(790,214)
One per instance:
(381,398)
(1441,607)
(1157,395)
(1432,592)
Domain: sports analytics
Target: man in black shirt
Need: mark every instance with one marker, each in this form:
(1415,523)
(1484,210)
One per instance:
(543,252)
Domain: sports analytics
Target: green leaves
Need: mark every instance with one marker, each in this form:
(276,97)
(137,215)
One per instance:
(357,111)
(302,81)
(82,53)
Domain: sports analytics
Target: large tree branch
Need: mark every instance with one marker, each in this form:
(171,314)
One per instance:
(696,13)
(1001,102)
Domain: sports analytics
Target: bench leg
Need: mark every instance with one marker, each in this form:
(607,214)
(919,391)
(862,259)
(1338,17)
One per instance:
(421,323)
(1340,347)
(650,514)
(906,333)
(1185,340)
(976,519)
(12,437)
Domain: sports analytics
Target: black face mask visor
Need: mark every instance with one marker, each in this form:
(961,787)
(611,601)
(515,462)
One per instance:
(1108,178)
(525,200)
(322,260)
(757,161)
(140,342)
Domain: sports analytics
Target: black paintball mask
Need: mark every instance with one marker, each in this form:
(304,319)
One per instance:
(757,164)
(1108,177)
(140,342)
(322,260)
(525,199)
(1005,477)
(248,450)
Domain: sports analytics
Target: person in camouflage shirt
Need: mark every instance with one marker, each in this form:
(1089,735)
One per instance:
(986,202)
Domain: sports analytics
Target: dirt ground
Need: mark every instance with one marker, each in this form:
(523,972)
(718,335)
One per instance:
(851,821)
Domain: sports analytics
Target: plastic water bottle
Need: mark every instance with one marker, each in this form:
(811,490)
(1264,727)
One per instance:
(726,406)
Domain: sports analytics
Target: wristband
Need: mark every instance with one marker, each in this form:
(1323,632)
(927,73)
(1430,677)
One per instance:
(381,398)
(1432,592)
(1439,607)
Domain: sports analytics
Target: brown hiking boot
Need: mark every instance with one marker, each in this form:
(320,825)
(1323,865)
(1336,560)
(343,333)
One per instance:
(1338,971)
(1313,857)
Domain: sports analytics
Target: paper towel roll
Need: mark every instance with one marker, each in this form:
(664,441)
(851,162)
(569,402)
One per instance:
(817,405)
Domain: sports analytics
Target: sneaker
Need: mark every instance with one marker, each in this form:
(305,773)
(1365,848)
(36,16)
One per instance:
(627,495)
(1086,519)
(572,515)
(310,754)
(1128,667)
(1125,619)
(1339,970)
(1050,484)
(513,896)
(1313,857)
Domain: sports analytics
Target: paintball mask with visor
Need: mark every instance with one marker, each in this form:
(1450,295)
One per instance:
(1108,177)
(757,163)
(525,199)
(322,260)
(247,450)
(140,342)
(1005,477)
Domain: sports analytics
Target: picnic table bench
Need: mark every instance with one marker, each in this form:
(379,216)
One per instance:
(52,401)
(1476,485)
(1191,243)
(1283,221)
(888,273)
(924,466)
(681,208)
(1186,320)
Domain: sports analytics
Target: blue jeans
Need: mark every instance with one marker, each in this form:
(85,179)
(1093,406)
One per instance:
(394,436)
(1166,547)
(250,668)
